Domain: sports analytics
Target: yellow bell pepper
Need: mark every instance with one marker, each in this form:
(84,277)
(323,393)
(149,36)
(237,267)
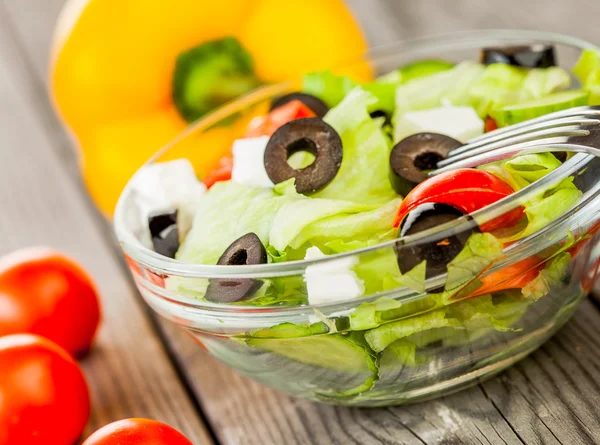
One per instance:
(128,76)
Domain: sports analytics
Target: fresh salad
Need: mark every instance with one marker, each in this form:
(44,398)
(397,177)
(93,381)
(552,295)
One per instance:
(341,166)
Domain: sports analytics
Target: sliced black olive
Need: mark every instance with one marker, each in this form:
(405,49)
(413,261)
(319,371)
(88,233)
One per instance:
(414,156)
(534,56)
(246,250)
(316,105)
(312,135)
(560,155)
(381,113)
(164,233)
(437,253)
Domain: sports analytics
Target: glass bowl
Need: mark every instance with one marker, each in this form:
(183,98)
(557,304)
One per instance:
(395,344)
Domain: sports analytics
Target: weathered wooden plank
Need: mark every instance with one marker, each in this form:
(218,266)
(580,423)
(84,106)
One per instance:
(129,372)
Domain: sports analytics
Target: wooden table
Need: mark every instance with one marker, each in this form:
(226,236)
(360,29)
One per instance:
(144,367)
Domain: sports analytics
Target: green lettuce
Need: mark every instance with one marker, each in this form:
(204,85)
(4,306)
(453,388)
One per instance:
(225,213)
(293,216)
(327,86)
(373,225)
(549,278)
(363,175)
(549,205)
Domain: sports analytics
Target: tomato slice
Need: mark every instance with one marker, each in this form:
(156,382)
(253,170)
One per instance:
(515,276)
(466,189)
(261,126)
(490,124)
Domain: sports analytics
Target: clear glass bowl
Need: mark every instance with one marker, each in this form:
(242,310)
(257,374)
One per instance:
(330,361)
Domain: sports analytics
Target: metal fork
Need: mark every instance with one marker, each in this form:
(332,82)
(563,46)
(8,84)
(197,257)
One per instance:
(573,130)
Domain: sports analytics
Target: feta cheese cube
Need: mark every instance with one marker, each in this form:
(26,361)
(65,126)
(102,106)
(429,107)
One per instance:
(331,281)
(249,163)
(461,123)
(163,187)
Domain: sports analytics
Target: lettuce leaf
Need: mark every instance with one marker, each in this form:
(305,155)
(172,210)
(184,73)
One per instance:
(327,86)
(369,225)
(588,61)
(225,213)
(293,216)
(363,175)
(550,277)
(548,206)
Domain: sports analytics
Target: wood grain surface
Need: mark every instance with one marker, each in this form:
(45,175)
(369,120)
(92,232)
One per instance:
(551,397)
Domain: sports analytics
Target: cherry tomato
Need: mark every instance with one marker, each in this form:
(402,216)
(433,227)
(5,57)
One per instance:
(267,125)
(137,432)
(466,189)
(44,292)
(44,398)
(260,126)
(515,276)
(490,124)
(221,173)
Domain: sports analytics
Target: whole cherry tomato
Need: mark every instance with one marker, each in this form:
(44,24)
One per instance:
(137,432)
(466,189)
(261,126)
(44,292)
(44,398)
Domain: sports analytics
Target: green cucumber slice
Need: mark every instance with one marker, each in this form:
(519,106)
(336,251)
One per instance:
(424,68)
(513,114)
(348,354)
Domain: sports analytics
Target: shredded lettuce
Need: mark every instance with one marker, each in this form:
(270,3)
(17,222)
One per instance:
(363,175)
(547,207)
(548,278)
(225,213)
(327,86)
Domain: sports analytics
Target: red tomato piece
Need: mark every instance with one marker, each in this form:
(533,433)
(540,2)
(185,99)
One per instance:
(490,124)
(515,276)
(137,432)
(466,189)
(261,126)
(267,125)
(221,173)
(44,398)
(44,292)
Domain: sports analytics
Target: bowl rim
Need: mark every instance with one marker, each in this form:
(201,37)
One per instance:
(148,258)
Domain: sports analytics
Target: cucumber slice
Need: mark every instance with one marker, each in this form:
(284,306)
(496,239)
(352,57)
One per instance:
(424,68)
(334,351)
(513,114)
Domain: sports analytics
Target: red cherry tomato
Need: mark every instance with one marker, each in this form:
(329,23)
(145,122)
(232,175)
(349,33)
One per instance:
(137,432)
(466,189)
(44,398)
(221,173)
(44,292)
(515,276)
(261,126)
(490,124)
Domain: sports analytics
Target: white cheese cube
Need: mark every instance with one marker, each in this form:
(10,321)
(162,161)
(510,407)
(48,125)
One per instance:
(331,281)
(249,163)
(461,123)
(162,187)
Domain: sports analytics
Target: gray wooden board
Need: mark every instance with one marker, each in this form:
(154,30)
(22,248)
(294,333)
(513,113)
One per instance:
(551,397)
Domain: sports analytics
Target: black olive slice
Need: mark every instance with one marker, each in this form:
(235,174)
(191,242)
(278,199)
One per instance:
(381,113)
(164,233)
(534,56)
(316,105)
(246,250)
(414,156)
(312,135)
(437,253)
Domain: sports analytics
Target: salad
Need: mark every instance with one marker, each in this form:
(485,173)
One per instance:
(341,166)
